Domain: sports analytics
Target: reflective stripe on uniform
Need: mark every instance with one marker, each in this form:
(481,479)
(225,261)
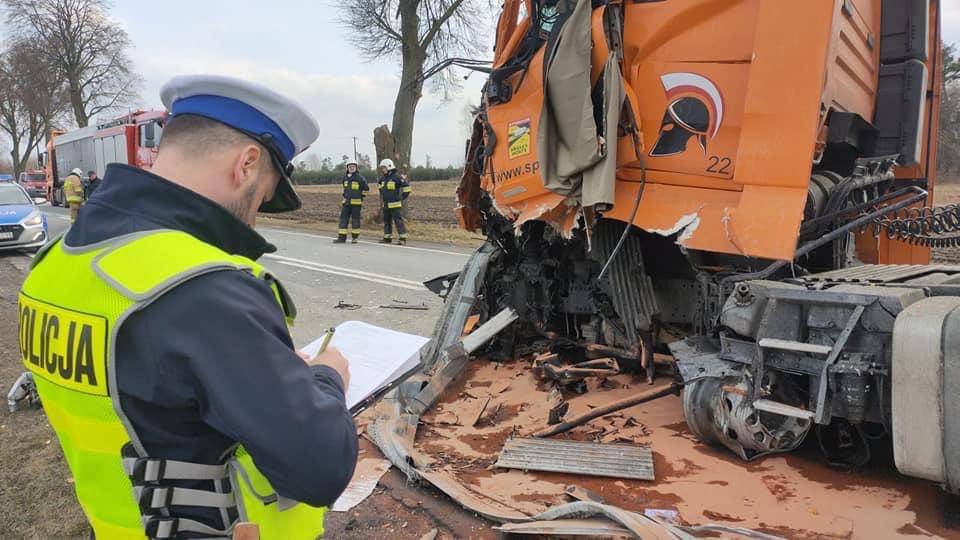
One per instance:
(391,185)
(395,204)
(356,202)
(120,277)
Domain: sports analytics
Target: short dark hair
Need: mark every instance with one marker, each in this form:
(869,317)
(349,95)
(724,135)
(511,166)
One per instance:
(201,134)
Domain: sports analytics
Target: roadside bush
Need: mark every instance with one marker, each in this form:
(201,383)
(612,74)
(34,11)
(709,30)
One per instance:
(416,174)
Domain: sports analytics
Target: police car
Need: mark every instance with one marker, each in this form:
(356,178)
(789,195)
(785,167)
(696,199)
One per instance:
(22,224)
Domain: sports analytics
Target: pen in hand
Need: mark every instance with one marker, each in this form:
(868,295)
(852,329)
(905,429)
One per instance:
(326,341)
(335,361)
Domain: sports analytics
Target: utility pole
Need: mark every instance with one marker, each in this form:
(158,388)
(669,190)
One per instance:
(355,155)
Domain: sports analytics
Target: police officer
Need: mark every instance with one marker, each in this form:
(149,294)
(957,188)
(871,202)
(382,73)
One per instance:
(73,192)
(392,194)
(160,347)
(355,188)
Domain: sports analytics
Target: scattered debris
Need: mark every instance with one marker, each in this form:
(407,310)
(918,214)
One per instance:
(421,307)
(663,515)
(472,322)
(364,481)
(23,394)
(480,410)
(557,413)
(615,406)
(344,305)
(455,357)
(499,387)
(592,528)
(592,459)
(430,535)
(548,366)
(578,493)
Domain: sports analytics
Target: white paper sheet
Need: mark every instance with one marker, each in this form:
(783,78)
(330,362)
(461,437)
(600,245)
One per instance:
(365,479)
(377,355)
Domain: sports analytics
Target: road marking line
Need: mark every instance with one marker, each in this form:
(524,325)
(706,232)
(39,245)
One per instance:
(349,270)
(346,272)
(405,248)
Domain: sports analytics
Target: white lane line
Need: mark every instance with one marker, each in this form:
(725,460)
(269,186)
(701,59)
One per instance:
(347,272)
(405,248)
(343,269)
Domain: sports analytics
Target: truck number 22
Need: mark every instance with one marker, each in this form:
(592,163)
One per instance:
(719,165)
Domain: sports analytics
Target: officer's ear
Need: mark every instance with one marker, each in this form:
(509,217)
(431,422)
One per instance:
(247,166)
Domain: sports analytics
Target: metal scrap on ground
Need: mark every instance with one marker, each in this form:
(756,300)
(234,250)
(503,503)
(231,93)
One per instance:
(592,459)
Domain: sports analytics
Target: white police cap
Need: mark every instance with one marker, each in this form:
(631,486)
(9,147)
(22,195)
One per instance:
(282,125)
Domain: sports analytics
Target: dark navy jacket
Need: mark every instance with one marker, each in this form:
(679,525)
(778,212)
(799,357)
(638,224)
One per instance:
(396,194)
(350,194)
(211,363)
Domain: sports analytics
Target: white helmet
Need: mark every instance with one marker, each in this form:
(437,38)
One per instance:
(353,162)
(77,171)
(388,163)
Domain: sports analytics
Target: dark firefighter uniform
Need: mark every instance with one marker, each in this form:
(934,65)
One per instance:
(355,188)
(161,352)
(393,191)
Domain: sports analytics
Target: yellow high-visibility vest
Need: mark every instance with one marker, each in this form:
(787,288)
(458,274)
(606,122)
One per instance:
(68,333)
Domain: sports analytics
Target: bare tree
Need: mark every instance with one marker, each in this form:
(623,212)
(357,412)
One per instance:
(31,100)
(948,152)
(88,51)
(419,33)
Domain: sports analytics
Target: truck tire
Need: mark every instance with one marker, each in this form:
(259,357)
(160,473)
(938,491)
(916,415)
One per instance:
(925,377)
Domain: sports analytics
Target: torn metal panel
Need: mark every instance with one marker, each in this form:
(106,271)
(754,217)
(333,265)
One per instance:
(593,459)
(566,527)
(459,304)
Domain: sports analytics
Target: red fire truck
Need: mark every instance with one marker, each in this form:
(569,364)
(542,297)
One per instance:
(132,139)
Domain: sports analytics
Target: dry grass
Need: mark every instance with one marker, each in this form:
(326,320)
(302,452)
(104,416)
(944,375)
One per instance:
(431,215)
(427,232)
(442,188)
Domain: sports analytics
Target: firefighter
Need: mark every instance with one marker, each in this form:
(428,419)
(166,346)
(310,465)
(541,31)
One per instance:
(73,192)
(392,194)
(164,362)
(355,188)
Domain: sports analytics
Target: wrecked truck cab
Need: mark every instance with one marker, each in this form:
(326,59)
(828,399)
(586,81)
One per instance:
(679,188)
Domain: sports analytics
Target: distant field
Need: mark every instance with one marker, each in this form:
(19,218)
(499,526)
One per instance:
(430,216)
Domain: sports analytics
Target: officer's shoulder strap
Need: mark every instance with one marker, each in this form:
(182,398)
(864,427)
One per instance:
(144,265)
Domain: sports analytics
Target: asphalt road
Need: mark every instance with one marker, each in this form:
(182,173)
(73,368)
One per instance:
(320,274)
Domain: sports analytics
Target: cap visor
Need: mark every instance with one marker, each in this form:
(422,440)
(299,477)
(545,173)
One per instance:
(285,199)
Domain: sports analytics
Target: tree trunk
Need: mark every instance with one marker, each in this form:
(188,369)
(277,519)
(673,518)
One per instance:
(414,55)
(384,144)
(405,108)
(76,101)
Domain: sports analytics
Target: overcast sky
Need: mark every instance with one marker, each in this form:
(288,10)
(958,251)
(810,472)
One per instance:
(304,53)
(301,52)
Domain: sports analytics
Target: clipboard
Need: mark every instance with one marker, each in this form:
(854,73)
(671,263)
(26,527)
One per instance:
(375,397)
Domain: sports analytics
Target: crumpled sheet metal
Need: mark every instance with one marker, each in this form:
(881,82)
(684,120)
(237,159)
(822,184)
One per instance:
(393,431)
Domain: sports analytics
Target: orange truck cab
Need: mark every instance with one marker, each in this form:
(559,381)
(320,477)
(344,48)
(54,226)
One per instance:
(744,185)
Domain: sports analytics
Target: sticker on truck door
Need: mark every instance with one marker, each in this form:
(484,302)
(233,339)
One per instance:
(518,138)
(694,110)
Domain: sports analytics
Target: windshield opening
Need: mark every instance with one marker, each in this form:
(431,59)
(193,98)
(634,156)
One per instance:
(34,177)
(10,196)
